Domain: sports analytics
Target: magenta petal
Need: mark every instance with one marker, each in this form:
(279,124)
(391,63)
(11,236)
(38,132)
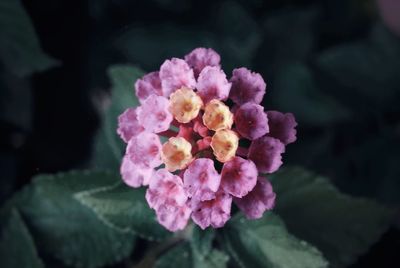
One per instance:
(282,126)
(201,57)
(172,216)
(201,180)
(165,188)
(212,84)
(144,150)
(238,176)
(174,74)
(215,212)
(133,175)
(154,114)
(251,121)
(247,86)
(128,124)
(150,84)
(266,153)
(260,199)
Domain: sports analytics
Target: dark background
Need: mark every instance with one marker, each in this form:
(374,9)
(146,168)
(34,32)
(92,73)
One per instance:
(334,64)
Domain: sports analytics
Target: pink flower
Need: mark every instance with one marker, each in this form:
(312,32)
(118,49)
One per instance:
(175,74)
(212,84)
(148,85)
(201,180)
(201,57)
(154,114)
(239,176)
(215,212)
(251,121)
(266,154)
(185,102)
(259,200)
(247,86)
(282,126)
(128,124)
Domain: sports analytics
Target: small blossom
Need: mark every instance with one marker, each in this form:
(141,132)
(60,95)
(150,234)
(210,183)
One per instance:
(251,121)
(175,74)
(212,84)
(259,200)
(150,84)
(144,150)
(154,114)
(217,116)
(185,105)
(238,176)
(215,212)
(247,86)
(176,153)
(202,57)
(266,154)
(173,217)
(165,188)
(201,180)
(128,125)
(133,175)
(282,126)
(224,144)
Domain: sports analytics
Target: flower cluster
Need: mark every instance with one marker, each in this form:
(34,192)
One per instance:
(204,165)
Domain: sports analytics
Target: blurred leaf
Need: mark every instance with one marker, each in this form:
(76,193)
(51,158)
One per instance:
(64,228)
(295,90)
(108,147)
(342,227)
(179,256)
(17,248)
(202,240)
(371,67)
(267,243)
(20,50)
(123,208)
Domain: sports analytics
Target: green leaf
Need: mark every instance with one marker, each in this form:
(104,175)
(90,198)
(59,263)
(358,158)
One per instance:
(267,243)
(20,50)
(17,248)
(368,67)
(124,209)
(64,228)
(108,147)
(295,90)
(178,256)
(341,226)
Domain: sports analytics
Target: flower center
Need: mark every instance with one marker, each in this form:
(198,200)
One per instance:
(185,105)
(224,144)
(217,116)
(176,153)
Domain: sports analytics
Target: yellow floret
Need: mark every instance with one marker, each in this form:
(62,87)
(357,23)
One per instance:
(217,116)
(224,144)
(176,153)
(185,104)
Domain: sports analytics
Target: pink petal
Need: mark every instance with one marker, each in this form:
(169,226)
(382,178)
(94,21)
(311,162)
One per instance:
(165,188)
(202,57)
(215,212)
(148,85)
(282,126)
(247,86)
(260,199)
(172,216)
(238,176)
(251,121)
(201,180)
(174,74)
(128,125)
(266,154)
(154,114)
(133,175)
(144,150)
(212,84)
